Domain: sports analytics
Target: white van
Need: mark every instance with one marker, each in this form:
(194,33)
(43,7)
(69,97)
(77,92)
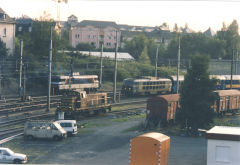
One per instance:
(44,129)
(70,126)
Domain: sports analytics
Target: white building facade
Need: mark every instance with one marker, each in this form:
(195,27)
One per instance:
(223,146)
(7,31)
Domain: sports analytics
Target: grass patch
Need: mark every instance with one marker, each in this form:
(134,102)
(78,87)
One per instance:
(233,121)
(123,107)
(127,118)
(92,125)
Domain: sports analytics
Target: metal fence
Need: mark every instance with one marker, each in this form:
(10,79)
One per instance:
(217,67)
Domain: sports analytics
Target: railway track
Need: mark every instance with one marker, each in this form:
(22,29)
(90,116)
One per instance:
(16,126)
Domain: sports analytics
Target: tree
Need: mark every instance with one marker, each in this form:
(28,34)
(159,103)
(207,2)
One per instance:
(196,95)
(85,47)
(196,43)
(231,38)
(136,45)
(144,58)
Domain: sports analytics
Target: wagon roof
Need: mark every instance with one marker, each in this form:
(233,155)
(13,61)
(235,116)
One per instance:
(168,98)
(154,135)
(228,92)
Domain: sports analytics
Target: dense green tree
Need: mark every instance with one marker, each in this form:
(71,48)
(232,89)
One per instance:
(85,47)
(3,49)
(144,58)
(136,45)
(231,38)
(196,43)
(197,95)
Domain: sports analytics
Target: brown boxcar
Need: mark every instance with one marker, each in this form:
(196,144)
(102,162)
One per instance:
(149,149)
(227,101)
(162,108)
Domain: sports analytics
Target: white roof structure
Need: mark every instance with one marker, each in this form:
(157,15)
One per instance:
(121,56)
(224,133)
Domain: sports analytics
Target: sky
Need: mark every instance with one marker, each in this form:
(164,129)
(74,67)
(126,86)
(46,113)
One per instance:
(199,15)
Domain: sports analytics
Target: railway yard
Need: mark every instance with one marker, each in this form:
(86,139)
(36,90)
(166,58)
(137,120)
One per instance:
(101,140)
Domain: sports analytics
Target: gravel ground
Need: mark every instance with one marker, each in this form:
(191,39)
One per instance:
(109,145)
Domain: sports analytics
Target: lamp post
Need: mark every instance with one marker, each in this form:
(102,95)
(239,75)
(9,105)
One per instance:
(101,59)
(156,60)
(178,64)
(50,69)
(115,70)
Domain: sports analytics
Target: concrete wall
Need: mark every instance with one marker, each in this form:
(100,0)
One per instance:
(222,152)
(9,38)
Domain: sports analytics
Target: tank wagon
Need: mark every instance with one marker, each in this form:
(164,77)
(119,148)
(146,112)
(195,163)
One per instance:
(77,102)
(163,108)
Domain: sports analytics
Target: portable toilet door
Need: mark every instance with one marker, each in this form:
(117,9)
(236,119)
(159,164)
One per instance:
(149,149)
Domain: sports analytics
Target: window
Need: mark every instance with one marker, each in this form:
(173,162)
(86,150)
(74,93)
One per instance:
(109,37)
(108,44)
(4,32)
(20,28)
(94,36)
(89,36)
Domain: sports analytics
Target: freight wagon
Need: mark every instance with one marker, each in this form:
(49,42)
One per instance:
(164,108)
(77,102)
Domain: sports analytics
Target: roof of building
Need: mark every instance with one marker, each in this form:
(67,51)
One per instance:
(121,56)
(98,24)
(24,20)
(4,17)
(186,29)
(209,32)
(224,133)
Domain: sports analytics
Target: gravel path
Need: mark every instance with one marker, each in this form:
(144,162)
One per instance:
(109,145)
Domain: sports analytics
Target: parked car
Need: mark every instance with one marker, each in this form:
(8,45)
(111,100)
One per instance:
(44,129)
(8,156)
(70,126)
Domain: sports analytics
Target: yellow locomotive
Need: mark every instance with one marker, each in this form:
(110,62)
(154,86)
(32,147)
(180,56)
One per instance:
(78,102)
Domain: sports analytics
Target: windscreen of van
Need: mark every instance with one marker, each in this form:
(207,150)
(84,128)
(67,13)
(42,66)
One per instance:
(57,125)
(66,124)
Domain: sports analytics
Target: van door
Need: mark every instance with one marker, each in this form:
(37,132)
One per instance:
(6,157)
(2,158)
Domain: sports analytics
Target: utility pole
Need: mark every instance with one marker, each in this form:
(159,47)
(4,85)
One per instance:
(236,62)
(156,63)
(178,64)
(101,63)
(24,82)
(49,71)
(71,72)
(232,68)
(115,71)
(1,63)
(20,69)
